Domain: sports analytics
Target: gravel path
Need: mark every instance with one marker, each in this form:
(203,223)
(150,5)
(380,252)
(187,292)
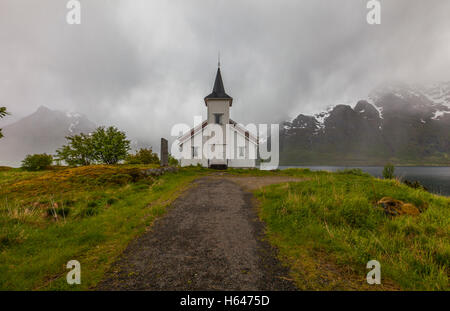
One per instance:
(210,239)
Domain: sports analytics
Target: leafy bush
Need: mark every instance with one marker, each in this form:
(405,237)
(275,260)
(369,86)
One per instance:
(37,162)
(79,151)
(110,145)
(143,156)
(388,171)
(107,146)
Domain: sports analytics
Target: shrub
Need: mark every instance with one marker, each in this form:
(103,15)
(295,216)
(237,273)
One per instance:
(388,171)
(110,145)
(143,156)
(37,162)
(105,146)
(78,151)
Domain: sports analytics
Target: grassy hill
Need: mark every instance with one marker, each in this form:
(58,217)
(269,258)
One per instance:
(326,227)
(88,214)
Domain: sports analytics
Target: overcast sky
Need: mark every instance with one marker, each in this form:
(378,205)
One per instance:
(144,65)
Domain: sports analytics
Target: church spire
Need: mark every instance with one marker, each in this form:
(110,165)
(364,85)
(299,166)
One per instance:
(218,89)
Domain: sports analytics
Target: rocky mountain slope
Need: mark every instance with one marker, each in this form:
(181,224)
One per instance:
(41,132)
(403,124)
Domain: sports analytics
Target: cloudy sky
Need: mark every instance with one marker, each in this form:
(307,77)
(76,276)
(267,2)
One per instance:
(144,65)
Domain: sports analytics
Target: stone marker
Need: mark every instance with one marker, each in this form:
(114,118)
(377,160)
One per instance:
(164,152)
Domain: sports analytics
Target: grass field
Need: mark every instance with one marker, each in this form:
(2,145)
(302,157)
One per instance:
(88,214)
(326,227)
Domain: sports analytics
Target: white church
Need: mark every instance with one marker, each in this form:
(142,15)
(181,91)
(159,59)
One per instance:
(218,142)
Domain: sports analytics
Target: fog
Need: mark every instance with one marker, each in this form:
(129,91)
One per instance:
(145,65)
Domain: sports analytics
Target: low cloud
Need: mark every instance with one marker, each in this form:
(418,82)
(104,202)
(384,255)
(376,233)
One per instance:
(145,65)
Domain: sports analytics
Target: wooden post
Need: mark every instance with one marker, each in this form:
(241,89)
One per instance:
(164,152)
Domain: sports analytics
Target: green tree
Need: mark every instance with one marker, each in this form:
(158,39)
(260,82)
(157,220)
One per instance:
(110,145)
(37,162)
(388,171)
(3,113)
(143,156)
(79,150)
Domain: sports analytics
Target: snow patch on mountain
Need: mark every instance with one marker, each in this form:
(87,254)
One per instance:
(439,113)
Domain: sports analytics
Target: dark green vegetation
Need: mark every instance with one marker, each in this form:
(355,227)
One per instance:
(388,171)
(37,162)
(328,227)
(143,156)
(3,113)
(88,214)
(104,146)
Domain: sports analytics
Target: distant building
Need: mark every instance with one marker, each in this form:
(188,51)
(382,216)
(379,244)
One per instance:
(239,150)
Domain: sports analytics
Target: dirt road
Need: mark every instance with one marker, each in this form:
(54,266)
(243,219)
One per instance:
(210,239)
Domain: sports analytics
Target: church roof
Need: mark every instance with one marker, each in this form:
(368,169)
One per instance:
(199,128)
(218,89)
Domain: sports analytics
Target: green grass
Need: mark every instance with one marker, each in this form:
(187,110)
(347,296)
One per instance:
(98,212)
(328,227)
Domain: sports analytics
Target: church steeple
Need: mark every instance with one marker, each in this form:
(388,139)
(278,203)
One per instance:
(218,89)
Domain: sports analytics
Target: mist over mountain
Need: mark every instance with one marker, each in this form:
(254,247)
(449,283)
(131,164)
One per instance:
(403,124)
(43,131)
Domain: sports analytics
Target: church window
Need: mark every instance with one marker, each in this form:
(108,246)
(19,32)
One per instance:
(218,118)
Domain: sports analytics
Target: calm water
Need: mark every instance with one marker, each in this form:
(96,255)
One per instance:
(436,179)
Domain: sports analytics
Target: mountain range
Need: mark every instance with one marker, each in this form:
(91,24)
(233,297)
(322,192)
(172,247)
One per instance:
(402,124)
(43,131)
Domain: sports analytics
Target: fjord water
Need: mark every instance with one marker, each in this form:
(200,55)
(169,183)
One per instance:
(435,179)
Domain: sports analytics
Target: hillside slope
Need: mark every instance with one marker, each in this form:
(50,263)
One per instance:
(41,132)
(402,124)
